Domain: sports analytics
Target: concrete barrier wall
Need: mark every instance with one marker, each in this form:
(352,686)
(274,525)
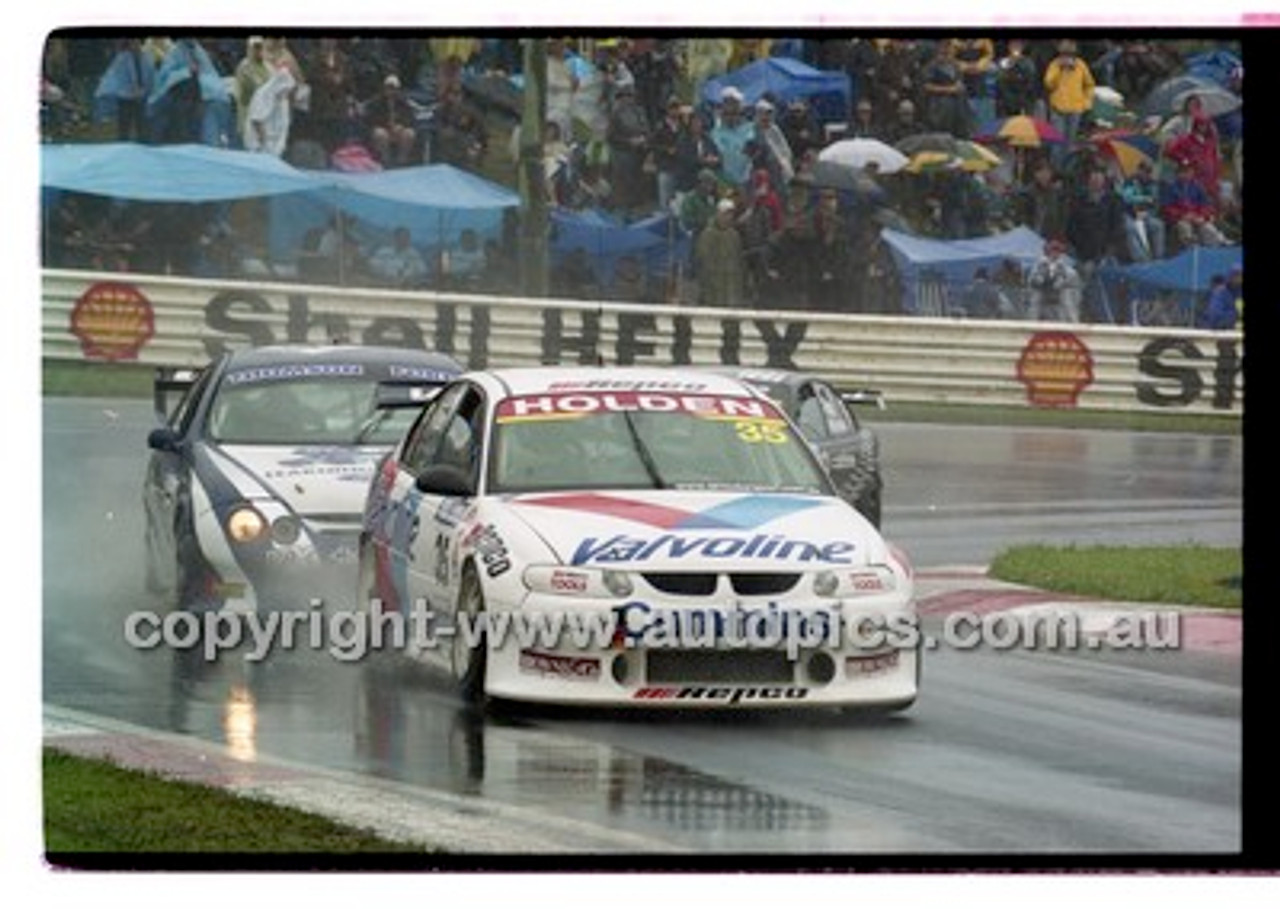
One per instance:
(186,322)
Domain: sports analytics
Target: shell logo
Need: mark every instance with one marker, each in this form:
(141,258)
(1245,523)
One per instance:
(1056,367)
(112,321)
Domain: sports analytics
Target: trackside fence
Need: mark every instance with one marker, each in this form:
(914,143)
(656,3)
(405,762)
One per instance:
(164,321)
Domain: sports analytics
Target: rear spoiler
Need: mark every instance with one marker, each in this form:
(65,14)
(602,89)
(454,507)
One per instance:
(170,379)
(393,394)
(864,396)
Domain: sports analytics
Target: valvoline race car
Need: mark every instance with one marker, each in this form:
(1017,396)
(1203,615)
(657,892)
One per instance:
(635,536)
(826,418)
(256,480)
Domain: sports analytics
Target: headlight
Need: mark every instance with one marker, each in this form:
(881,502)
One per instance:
(617,583)
(867,581)
(826,583)
(562,581)
(245,524)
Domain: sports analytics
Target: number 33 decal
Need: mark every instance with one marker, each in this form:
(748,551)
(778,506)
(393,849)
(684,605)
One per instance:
(772,431)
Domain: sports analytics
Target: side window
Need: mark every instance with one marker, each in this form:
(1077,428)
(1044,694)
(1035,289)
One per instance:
(809,416)
(424,441)
(460,445)
(180,419)
(839,420)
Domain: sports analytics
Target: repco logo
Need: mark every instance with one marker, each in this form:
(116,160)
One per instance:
(719,695)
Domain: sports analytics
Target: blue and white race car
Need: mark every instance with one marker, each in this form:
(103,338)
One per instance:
(636,536)
(257,478)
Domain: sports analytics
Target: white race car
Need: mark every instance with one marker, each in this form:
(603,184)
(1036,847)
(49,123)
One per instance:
(256,481)
(636,536)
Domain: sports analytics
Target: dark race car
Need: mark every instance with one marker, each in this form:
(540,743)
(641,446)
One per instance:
(256,481)
(827,419)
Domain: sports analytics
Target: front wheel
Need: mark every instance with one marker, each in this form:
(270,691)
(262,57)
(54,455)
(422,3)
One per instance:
(153,578)
(468,650)
(368,602)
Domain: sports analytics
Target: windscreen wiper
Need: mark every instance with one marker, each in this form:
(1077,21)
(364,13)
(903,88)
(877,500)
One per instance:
(371,425)
(646,458)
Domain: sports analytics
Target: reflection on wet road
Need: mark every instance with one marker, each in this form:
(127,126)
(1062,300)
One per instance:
(1005,752)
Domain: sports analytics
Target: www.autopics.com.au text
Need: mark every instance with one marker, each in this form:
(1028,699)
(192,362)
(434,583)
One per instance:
(349,636)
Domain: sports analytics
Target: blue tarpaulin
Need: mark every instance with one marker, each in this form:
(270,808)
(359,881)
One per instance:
(959,259)
(655,241)
(785,80)
(1189,271)
(436,201)
(168,173)
(943,268)
(1170,291)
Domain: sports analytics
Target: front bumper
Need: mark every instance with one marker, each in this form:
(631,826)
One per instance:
(721,670)
(319,568)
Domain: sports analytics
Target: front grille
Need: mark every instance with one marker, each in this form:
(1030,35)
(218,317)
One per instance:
(703,583)
(682,583)
(719,666)
(756,584)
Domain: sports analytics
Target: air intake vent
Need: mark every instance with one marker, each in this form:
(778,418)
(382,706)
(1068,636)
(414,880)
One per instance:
(682,583)
(752,584)
(719,666)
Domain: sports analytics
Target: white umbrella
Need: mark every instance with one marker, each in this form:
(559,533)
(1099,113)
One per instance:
(857,153)
(1214,100)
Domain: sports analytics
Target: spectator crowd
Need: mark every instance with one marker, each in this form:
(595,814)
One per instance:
(631,132)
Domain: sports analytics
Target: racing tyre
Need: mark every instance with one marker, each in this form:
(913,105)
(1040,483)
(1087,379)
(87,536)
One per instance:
(188,593)
(367,590)
(467,663)
(155,585)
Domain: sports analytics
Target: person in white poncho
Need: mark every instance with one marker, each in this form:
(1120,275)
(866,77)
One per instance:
(270,114)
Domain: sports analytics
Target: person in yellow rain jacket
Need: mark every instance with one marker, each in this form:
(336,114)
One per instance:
(1069,84)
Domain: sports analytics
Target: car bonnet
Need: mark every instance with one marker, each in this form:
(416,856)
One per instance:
(673,530)
(309,479)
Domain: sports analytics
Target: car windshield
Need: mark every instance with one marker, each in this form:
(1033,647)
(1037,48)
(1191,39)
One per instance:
(637,441)
(309,411)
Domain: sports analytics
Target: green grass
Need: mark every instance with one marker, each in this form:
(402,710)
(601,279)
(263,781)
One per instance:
(97,806)
(1191,574)
(72,378)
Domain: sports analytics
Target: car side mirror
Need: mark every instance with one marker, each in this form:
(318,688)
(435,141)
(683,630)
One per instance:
(445,480)
(162,438)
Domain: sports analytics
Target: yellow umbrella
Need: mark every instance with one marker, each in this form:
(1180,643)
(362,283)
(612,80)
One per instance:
(976,158)
(1128,148)
(1020,130)
(969,157)
(926,162)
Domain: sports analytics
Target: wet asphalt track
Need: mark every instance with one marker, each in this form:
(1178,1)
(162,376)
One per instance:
(1068,756)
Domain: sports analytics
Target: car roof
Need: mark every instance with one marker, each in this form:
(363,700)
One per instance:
(773,378)
(365,355)
(547,379)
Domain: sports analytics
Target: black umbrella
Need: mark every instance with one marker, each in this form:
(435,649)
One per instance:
(834,176)
(919,142)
